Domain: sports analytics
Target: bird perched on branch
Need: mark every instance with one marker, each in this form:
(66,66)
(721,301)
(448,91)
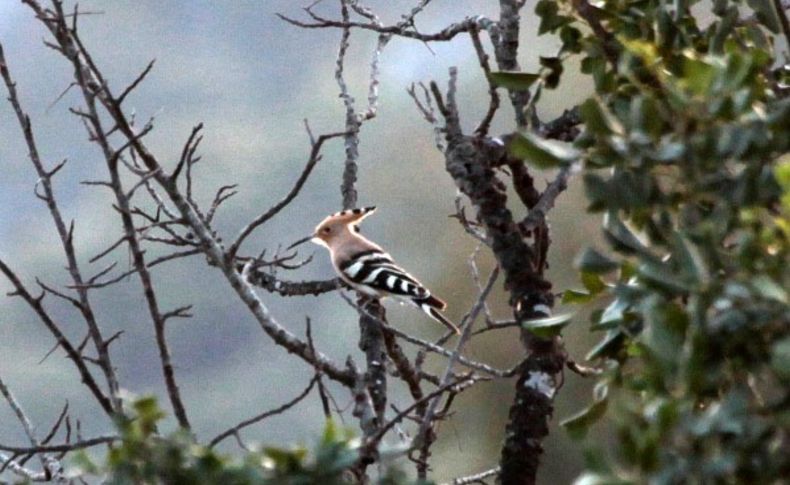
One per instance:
(369,269)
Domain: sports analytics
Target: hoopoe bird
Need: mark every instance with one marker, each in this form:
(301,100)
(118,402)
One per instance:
(367,268)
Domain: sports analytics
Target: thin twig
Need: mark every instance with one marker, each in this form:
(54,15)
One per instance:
(476,478)
(260,417)
(446,34)
(65,233)
(431,347)
(94,87)
(780,8)
(315,156)
(71,352)
(455,386)
(493,103)
(74,445)
(467,324)
(347,188)
(322,392)
(47,462)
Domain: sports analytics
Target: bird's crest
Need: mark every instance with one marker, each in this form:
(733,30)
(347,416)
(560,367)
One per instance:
(351,216)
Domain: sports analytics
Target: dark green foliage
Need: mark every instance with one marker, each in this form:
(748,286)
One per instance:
(142,456)
(515,81)
(685,147)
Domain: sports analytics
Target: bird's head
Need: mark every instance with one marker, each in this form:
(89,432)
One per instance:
(337,226)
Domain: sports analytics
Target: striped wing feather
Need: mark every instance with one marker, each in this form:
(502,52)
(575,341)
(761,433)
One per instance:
(376,270)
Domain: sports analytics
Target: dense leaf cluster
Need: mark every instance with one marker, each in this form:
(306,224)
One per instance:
(142,455)
(686,153)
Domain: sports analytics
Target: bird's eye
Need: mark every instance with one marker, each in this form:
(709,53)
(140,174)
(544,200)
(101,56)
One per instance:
(327,230)
(356,228)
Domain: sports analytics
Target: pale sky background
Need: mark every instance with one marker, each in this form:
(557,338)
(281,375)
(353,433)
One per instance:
(252,79)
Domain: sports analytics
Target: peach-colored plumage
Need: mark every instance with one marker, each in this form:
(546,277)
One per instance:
(367,268)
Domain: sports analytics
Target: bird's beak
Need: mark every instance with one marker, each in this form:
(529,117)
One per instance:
(301,241)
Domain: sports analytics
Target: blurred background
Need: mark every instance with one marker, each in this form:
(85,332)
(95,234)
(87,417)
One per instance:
(252,79)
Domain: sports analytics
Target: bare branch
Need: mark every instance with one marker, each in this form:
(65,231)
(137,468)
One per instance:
(65,233)
(224,193)
(780,8)
(7,462)
(322,391)
(94,87)
(55,427)
(431,347)
(505,38)
(47,462)
(537,213)
(425,436)
(476,478)
(136,82)
(59,294)
(446,34)
(107,251)
(293,288)
(180,312)
(73,354)
(455,386)
(426,108)
(564,127)
(493,104)
(144,180)
(189,148)
(583,370)
(347,188)
(150,264)
(260,417)
(75,445)
(315,156)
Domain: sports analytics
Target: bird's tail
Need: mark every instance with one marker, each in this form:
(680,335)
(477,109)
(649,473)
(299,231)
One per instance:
(431,305)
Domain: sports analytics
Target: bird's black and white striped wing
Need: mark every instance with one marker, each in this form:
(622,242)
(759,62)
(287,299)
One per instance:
(375,270)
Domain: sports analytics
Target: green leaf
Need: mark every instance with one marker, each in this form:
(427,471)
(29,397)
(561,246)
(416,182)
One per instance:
(540,152)
(550,20)
(642,49)
(578,424)
(613,314)
(515,81)
(286,459)
(598,119)
(723,29)
(609,346)
(547,327)
(331,434)
(621,237)
(698,76)
(571,37)
(576,297)
(646,115)
(780,358)
(554,65)
(669,151)
(689,259)
(769,289)
(597,190)
(592,282)
(782,172)
(591,261)
(664,330)
(663,277)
